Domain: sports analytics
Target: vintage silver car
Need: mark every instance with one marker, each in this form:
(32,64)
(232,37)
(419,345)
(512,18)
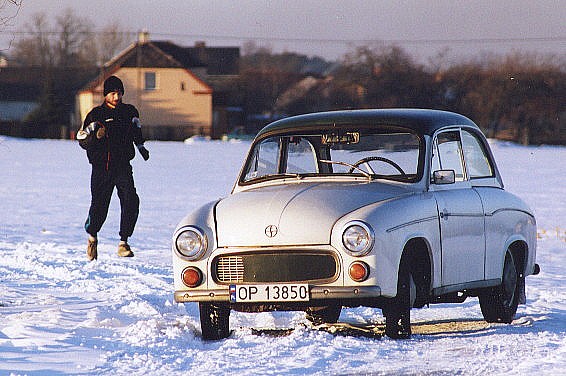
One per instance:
(393,209)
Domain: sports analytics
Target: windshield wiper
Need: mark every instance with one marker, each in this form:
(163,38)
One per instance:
(366,174)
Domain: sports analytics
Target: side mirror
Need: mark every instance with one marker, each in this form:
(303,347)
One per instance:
(443,177)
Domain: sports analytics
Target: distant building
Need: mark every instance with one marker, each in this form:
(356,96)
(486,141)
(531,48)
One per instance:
(19,93)
(22,89)
(179,91)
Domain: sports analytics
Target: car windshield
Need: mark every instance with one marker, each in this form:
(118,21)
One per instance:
(367,153)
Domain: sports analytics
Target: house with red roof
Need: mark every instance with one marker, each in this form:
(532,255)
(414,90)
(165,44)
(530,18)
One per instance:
(179,91)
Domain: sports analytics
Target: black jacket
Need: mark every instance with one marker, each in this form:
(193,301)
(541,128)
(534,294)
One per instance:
(116,148)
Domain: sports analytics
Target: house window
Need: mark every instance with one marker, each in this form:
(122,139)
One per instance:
(150,81)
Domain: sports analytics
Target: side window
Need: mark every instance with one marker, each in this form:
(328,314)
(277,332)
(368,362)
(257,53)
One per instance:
(477,160)
(301,157)
(448,154)
(264,160)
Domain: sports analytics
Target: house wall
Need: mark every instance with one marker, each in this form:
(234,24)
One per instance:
(179,106)
(85,102)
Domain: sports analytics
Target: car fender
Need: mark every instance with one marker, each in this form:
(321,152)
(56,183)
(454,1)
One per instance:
(507,220)
(203,218)
(395,222)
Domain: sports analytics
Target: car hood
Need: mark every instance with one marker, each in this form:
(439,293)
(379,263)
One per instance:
(293,214)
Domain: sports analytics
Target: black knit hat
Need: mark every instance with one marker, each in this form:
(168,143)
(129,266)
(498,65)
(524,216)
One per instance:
(113,83)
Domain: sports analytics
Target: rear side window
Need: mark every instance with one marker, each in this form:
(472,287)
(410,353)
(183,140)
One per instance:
(477,160)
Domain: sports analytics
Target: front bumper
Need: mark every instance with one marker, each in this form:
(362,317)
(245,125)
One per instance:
(316,293)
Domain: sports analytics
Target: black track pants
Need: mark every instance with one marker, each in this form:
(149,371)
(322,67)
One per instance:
(102,183)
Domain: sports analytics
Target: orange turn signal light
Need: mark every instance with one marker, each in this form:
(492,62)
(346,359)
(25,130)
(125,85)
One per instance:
(192,277)
(359,271)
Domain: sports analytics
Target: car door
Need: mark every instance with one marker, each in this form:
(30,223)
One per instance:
(460,213)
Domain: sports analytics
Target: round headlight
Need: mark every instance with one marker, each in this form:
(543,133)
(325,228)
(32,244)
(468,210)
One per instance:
(357,238)
(191,243)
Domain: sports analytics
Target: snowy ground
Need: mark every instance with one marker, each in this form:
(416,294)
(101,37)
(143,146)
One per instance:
(60,314)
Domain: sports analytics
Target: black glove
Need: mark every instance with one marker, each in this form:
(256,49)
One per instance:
(143,151)
(101,132)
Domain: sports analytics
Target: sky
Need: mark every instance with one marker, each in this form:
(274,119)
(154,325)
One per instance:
(330,28)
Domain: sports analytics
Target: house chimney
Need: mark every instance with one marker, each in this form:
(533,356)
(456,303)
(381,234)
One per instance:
(200,44)
(143,36)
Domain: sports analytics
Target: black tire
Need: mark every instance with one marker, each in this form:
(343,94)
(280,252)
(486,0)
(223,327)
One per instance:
(323,315)
(398,310)
(499,304)
(214,321)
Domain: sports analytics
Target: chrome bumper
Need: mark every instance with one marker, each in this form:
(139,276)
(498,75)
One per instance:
(316,293)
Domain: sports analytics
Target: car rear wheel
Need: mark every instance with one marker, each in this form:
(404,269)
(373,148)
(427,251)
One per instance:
(499,304)
(214,321)
(398,312)
(323,315)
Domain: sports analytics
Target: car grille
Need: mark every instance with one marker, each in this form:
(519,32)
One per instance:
(230,269)
(275,267)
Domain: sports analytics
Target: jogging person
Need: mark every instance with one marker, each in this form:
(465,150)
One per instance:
(108,135)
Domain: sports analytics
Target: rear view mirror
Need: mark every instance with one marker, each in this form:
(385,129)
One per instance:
(341,139)
(443,177)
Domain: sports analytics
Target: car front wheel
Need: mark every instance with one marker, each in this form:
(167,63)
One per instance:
(398,312)
(499,304)
(214,321)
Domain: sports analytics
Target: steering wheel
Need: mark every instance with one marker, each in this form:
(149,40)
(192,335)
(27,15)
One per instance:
(381,159)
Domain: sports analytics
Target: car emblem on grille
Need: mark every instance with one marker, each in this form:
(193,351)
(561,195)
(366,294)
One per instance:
(271,231)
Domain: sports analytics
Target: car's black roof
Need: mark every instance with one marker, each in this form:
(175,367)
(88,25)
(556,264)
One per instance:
(422,121)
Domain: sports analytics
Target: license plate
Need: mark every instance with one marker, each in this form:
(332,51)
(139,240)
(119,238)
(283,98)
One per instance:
(269,293)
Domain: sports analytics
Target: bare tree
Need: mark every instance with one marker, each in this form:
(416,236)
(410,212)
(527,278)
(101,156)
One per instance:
(73,45)
(36,50)
(9,10)
(113,40)
(69,41)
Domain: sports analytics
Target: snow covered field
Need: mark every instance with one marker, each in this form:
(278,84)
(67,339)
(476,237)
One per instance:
(60,314)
